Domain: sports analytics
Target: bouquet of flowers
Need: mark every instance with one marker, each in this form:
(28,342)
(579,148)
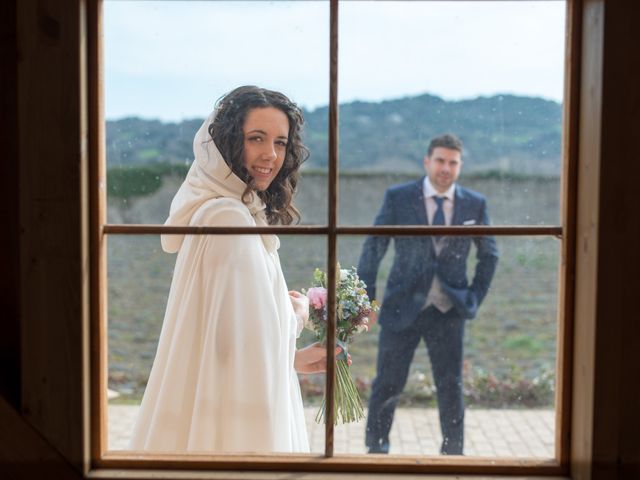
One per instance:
(353,309)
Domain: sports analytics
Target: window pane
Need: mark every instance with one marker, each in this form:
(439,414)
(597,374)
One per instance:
(505,371)
(490,73)
(300,256)
(159,88)
(526,200)
(139,277)
(198,361)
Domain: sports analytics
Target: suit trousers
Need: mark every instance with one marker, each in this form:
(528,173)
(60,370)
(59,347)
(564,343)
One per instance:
(443,334)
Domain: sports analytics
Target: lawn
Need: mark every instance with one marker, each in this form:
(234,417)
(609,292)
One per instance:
(510,347)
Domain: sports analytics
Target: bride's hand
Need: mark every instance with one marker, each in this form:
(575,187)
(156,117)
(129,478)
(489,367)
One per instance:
(300,304)
(313,359)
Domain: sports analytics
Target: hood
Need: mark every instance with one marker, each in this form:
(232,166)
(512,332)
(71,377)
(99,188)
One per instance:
(209,177)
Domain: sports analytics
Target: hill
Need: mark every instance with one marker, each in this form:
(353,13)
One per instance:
(505,132)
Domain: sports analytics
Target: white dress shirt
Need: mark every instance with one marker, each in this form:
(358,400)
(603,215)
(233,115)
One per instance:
(436,296)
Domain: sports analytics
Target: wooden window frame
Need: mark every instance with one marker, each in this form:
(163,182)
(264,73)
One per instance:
(327,462)
(56,390)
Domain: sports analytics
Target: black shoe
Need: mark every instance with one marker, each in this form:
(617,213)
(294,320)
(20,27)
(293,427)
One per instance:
(451,449)
(381,448)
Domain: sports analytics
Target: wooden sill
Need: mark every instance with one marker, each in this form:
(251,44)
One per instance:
(342,466)
(125,474)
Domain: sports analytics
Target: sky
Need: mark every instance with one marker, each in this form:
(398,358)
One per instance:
(172,60)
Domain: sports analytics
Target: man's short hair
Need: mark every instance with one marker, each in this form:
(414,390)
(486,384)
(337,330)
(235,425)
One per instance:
(447,140)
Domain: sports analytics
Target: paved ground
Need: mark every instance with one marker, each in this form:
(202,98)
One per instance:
(502,433)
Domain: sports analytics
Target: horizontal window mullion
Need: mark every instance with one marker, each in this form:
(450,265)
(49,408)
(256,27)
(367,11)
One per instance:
(402,230)
(457,230)
(133,229)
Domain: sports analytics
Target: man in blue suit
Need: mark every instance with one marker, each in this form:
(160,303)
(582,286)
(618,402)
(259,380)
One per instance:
(428,294)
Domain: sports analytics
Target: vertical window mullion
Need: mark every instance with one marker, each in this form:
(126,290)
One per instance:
(568,196)
(331,240)
(98,239)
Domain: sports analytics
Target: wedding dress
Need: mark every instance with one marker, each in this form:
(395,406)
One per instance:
(223,377)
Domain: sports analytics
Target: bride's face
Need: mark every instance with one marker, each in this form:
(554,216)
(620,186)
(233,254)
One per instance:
(266,132)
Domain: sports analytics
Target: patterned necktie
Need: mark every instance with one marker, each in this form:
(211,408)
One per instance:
(438,217)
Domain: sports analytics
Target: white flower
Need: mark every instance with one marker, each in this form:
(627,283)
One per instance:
(343,274)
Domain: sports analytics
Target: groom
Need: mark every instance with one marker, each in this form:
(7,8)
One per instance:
(428,294)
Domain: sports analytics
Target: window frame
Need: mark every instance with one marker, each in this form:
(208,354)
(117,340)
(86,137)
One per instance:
(99,231)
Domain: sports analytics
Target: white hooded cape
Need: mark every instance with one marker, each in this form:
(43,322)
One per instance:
(223,377)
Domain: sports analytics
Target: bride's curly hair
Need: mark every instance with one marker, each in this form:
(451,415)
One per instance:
(227,133)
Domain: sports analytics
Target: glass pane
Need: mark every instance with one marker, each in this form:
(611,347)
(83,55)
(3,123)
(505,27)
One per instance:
(496,372)
(159,88)
(139,278)
(490,73)
(189,386)
(521,201)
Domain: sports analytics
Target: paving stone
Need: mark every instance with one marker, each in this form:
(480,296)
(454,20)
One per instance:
(416,431)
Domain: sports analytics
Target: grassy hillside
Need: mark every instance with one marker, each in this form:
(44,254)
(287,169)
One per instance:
(510,347)
(504,132)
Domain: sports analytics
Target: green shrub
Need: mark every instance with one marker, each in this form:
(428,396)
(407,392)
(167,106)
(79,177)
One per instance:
(481,389)
(142,180)
(487,390)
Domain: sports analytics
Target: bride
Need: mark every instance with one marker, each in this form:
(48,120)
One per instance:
(224,376)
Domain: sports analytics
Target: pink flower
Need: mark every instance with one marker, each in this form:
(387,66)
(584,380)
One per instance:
(317,297)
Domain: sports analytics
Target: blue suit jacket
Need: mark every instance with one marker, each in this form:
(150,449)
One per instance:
(415,262)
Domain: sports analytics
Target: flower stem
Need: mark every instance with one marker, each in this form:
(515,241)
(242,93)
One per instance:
(347,402)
